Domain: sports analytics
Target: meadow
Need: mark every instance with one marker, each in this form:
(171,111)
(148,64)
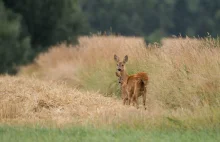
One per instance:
(73,91)
(88,134)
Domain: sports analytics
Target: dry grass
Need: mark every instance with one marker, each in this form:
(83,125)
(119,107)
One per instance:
(32,101)
(184,76)
(71,64)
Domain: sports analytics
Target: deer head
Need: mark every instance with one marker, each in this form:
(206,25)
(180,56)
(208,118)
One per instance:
(120,65)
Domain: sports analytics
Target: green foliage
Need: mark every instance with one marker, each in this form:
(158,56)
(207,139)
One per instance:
(14,48)
(49,22)
(154,19)
(28,27)
(25,134)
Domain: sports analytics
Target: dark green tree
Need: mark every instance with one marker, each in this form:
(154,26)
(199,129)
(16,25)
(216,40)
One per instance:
(49,22)
(154,19)
(28,27)
(15,49)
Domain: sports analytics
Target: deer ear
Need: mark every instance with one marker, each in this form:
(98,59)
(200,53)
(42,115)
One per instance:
(125,59)
(116,58)
(117,74)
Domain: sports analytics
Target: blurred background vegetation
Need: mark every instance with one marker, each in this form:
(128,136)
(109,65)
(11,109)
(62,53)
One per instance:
(28,27)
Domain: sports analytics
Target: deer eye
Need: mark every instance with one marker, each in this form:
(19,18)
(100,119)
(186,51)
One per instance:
(122,65)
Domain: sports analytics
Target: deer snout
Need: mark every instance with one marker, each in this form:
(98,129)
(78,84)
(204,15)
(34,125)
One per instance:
(119,69)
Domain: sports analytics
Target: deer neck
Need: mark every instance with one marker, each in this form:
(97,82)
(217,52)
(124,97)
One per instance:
(124,76)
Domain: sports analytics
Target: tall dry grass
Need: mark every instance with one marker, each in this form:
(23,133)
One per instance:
(184,73)
(32,101)
(26,100)
(84,65)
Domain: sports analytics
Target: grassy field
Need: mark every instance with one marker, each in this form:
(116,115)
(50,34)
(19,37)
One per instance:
(26,134)
(72,92)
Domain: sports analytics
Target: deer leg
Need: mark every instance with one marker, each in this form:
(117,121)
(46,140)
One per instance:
(144,97)
(124,94)
(132,97)
(129,97)
(124,101)
(136,95)
(132,100)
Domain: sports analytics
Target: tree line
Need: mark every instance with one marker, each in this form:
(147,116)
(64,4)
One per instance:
(28,27)
(154,19)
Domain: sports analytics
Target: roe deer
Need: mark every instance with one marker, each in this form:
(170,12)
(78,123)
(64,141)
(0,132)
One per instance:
(132,86)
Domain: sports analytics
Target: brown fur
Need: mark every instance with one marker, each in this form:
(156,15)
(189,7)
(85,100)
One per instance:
(124,95)
(132,86)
